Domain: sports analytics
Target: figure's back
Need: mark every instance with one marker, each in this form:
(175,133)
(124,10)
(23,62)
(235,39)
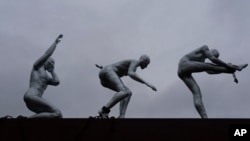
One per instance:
(121,67)
(196,55)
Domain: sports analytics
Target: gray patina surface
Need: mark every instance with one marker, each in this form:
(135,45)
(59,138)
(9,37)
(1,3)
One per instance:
(39,80)
(194,62)
(110,78)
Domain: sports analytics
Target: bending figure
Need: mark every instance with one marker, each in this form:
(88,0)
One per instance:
(110,78)
(194,62)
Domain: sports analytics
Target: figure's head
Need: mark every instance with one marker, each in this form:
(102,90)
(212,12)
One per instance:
(215,53)
(49,64)
(144,61)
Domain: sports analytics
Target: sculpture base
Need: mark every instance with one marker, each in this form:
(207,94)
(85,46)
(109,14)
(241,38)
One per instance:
(117,129)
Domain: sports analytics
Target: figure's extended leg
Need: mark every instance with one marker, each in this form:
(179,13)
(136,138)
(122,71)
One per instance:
(42,108)
(197,96)
(237,67)
(193,66)
(124,105)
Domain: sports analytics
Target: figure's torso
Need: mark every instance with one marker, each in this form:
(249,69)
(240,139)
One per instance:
(38,81)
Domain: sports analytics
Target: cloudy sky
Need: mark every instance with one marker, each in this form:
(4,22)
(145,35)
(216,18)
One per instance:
(106,31)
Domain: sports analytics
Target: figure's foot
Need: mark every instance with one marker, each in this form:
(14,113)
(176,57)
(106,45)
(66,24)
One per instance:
(103,113)
(21,117)
(121,116)
(241,67)
(7,117)
(95,117)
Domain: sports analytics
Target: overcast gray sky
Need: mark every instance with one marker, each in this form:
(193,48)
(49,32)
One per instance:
(106,31)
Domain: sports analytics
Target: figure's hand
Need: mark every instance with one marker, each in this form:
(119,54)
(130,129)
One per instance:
(51,69)
(58,38)
(152,87)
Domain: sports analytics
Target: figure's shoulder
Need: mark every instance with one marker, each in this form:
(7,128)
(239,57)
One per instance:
(200,50)
(132,61)
(204,48)
(37,70)
(126,61)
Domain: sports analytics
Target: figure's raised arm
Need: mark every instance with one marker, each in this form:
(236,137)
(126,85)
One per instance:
(47,54)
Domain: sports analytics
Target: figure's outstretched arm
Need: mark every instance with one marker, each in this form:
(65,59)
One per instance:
(38,63)
(132,74)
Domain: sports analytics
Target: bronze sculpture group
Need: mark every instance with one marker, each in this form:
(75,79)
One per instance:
(43,74)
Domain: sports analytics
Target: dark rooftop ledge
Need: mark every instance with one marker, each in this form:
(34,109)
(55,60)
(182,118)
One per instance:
(79,129)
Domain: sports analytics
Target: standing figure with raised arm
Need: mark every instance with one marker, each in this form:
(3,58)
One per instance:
(39,80)
(110,77)
(194,62)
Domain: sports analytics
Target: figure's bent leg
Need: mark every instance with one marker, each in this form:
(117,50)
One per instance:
(124,104)
(42,108)
(114,100)
(117,98)
(113,82)
(54,114)
(197,97)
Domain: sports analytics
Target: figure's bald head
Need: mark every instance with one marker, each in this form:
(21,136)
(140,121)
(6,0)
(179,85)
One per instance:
(144,61)
(49,64)
(215,53)
(145,58)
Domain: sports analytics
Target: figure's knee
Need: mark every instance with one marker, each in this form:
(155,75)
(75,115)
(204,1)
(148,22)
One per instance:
(127,92)
(58,114)
(183,74)
(180,74)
